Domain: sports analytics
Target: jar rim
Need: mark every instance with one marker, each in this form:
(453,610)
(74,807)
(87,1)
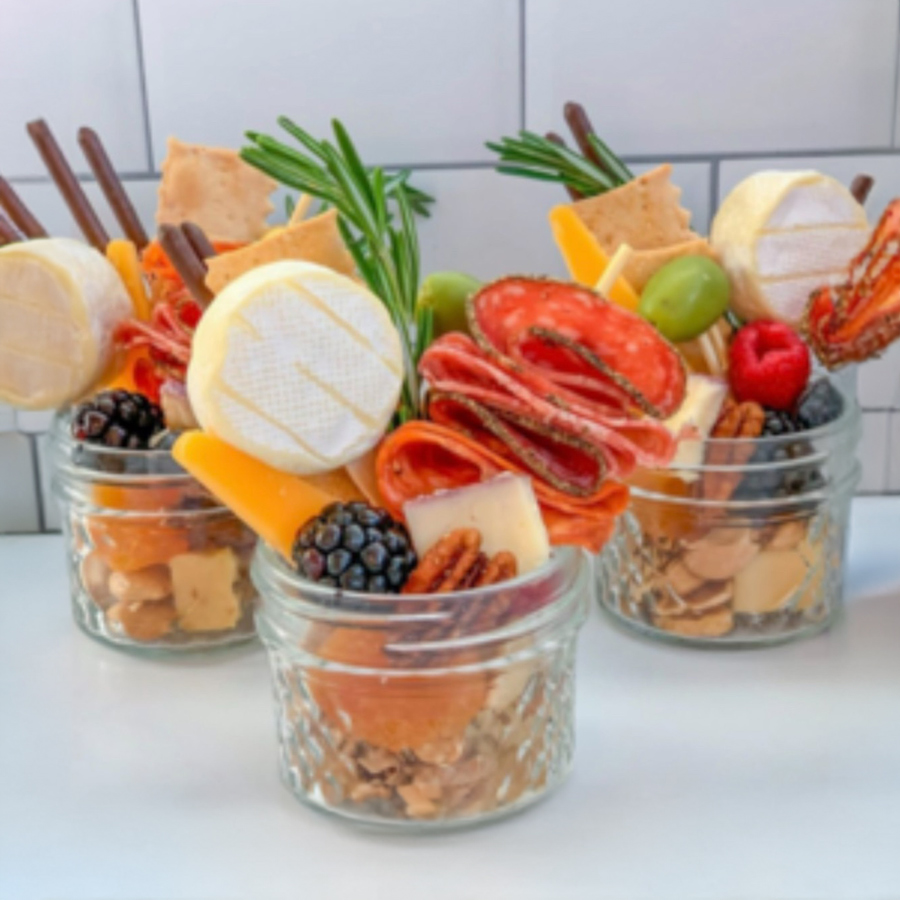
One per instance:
(275,572)
(850,417)
(156,465)
(289,604)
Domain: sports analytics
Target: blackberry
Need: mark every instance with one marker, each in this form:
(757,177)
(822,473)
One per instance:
(355,547)
(120,419)
(820,404)
(766,482)
(778,423)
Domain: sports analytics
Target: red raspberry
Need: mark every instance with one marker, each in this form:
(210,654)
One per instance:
(769,364)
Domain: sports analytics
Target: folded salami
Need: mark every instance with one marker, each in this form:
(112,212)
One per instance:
(579,341)
(570,441)
(422,457)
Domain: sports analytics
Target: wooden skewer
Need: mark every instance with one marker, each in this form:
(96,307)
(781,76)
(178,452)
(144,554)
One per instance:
(8,233)
(75,197)
(613,269)
(554,138)
(301,208)
(186,261)
(19,212)
(718,341)
(112,187)
(707,348)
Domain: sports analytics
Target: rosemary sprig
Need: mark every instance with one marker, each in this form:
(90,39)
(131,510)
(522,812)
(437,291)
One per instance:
(532,156)
(376,218)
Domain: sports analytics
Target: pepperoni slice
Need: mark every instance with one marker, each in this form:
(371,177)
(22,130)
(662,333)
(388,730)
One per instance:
(580,341)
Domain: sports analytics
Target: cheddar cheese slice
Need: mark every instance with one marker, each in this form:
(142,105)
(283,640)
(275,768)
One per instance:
(272,503)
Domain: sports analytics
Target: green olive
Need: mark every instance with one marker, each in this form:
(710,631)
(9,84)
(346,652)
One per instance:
(445,294)
(686,297)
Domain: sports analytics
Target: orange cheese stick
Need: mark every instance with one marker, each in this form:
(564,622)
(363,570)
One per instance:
(124,256)
(585,259)
(272,503)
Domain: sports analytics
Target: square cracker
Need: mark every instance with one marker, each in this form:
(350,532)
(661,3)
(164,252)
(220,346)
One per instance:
(642,264)
(645,213)
(314,240)
(215,189)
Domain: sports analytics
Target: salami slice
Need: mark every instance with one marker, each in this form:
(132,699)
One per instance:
(420,458)
(570,464)
(454,364)
(577,339)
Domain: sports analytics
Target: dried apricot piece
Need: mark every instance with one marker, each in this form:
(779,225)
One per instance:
(127,545)
(397,713)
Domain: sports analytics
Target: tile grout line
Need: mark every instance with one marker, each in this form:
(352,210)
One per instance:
(36,476)
(522,63)
(713,190)
(638,159)
(893,137)
(142,81)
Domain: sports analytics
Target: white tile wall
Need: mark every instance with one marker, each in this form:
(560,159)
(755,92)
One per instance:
(18,498)
(873,452)
(894,453)
(422,81)
(73,64)
(725,88)
(694,76)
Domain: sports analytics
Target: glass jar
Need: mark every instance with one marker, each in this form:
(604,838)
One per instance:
(155,562)
(744,546)
(424,711)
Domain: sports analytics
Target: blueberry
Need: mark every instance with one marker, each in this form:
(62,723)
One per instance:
(375,557)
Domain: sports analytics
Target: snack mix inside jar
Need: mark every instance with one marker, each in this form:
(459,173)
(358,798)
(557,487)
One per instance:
(743,541)
(155,562)
(424,710)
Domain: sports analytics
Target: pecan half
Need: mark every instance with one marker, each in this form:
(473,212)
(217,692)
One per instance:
(456,562)
(737,422)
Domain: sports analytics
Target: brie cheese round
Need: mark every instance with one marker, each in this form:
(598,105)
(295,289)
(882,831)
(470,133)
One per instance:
(781,235)
(60,301)
(297,366)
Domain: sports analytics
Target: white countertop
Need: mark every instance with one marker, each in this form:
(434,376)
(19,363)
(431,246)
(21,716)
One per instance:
(699,774)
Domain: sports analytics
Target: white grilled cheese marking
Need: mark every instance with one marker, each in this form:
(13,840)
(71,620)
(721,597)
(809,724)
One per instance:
(253,410)
(346,322)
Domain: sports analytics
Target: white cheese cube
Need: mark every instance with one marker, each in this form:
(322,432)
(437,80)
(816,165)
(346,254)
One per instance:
(504,510)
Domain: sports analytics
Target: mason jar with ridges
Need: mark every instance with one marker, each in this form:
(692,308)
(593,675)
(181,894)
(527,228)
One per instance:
(423,711)
(155,562)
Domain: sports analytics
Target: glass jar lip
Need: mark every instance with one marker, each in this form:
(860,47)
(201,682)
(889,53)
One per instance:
(277,575)
(137,466)
(289,604)
(850,418)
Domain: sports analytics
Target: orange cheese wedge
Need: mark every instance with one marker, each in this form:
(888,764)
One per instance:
(272,503)
(124,257)
(585,259)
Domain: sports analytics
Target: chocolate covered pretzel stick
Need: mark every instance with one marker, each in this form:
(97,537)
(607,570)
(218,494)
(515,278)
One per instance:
(198,240)
(19,212)
(580,126)
(68,185)
(861,187)
(8,234)
(112,187)
(186,261)
(554,138)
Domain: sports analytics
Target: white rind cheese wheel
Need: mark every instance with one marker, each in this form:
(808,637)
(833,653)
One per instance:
(60,301)
(297,366)
(781,235)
